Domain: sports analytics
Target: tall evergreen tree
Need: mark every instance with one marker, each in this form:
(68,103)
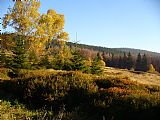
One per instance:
(96,67)
(120,62)
(144,63)
(129,61)
(124,63)
(19,60)
(77,61)
(138,66)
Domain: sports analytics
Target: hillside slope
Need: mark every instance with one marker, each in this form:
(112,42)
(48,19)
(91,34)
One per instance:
(136,51)
(119,51)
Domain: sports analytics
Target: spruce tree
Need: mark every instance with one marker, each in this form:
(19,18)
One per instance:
(19,60)
(124,63)
(97,65)
(95,68)
(129,61)
(120,62)
(138,66)
(144,63)
(78,62)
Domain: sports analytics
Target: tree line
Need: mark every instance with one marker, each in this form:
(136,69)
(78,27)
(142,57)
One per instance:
(118,58)
(140,63)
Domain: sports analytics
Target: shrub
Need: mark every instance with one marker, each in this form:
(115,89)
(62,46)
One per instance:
(16,112)
(151,69)
(96,68)
(110,96)
(4,73)
(101,63)
(58,88)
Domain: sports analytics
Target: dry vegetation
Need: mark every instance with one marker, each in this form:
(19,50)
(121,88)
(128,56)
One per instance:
(116,95)
(140,77)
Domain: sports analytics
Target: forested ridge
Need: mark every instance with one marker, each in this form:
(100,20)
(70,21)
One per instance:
(115,50)
(117,57)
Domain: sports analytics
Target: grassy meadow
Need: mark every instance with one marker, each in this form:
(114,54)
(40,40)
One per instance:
(72,95)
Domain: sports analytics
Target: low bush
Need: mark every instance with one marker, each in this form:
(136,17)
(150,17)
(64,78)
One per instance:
(56,88)
(4,73)
(14,112)
(97,96)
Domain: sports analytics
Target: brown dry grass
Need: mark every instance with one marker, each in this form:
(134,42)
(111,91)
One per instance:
(140,77)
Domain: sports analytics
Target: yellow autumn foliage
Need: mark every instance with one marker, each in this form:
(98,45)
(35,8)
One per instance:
(151,69)
(101,63)
(39,29)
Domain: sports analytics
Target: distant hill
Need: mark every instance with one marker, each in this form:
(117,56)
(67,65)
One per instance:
(118,51)
(95,48)
(136,51)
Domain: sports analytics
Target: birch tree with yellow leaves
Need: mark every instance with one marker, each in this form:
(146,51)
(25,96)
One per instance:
(37,30)
(23,17)
(26,20)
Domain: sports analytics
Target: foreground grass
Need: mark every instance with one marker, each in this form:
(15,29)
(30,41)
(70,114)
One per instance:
(14,112)
(68,95)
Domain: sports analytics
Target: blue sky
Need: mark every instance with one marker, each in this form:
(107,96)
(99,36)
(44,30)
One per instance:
(108,23)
